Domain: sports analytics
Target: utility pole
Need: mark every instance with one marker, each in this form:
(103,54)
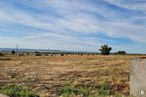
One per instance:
(17,49)
(48,50)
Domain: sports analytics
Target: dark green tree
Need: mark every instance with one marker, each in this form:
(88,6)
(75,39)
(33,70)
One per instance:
(105,49)
(13,52)
(121,52)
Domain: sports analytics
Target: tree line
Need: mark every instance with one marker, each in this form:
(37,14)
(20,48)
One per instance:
(104,50)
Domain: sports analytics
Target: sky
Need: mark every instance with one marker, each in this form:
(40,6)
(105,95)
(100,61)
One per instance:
(74,24)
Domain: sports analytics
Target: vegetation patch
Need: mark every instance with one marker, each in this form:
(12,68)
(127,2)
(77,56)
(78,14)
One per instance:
(102,90)
(5,59)
(17,91)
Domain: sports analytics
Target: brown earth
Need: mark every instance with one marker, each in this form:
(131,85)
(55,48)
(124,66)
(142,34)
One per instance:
(47,74)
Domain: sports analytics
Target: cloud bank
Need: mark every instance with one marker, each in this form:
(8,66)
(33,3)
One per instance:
(73,24)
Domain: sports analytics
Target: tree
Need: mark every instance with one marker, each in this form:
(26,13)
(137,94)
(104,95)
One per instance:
(13,52)
(105,49)
(121,52)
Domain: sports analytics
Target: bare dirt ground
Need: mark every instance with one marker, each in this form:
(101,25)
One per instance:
(47,74)
(1,95)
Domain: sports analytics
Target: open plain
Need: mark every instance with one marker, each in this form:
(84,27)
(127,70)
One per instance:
(47,75)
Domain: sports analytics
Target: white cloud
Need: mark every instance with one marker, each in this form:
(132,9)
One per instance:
(64,20)
(131,4)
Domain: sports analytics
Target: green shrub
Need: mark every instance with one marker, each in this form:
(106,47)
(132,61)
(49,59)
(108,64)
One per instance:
(85,91)
(68,91)
(121,52)
(104,89)
(17,91)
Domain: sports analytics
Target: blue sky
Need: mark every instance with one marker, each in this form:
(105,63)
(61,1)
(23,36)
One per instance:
(74,24)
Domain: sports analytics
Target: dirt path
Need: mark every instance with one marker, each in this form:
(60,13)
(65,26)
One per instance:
(1,95)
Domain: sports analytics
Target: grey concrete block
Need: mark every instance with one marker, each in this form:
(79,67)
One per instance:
(138,78)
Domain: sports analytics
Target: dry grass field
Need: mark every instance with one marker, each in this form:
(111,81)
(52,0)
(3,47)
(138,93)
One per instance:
(47,75)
